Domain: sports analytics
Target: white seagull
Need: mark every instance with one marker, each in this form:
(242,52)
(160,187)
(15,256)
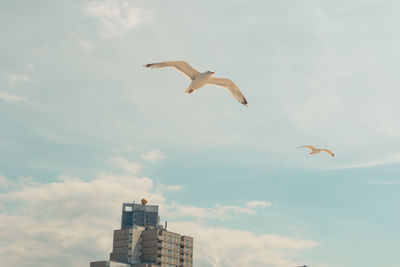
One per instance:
(200,79)
(317,150)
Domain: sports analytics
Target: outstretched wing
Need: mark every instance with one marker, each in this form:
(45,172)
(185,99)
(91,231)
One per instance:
(310,147)
(231,86)
(181,66)
(328,151)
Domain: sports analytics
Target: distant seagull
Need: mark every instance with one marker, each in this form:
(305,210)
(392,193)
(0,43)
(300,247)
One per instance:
(317,150)
(200,79)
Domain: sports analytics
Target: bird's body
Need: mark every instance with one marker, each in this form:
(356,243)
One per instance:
(199,79)
(318,150)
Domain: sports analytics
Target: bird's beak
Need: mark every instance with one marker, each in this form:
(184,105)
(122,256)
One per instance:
(212,72)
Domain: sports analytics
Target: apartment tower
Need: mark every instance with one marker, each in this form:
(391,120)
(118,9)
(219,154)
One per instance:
(143,242)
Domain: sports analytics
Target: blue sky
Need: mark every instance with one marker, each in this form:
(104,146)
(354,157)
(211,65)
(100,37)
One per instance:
(78,112)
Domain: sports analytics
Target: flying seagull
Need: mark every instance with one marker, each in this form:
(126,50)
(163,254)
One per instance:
(317,150)
(199,79)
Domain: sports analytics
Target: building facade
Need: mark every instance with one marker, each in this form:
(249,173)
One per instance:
(148,245)
(167,249)
(127,245)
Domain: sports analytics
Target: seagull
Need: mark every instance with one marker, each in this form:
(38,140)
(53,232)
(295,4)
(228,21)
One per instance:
(317,150)
(199,79)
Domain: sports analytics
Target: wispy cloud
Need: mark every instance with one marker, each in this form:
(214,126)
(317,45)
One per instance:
(117,17)
(153,155)
(82,42)
(11,98)
(385,182)
(15,79)
(257,203)
(4,182)
(170,188)
(124,164)
(222,212)
(393,159)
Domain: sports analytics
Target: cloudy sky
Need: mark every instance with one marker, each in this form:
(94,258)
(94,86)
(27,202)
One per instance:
(84,127)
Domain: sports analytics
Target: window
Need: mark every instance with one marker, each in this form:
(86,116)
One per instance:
(127,208)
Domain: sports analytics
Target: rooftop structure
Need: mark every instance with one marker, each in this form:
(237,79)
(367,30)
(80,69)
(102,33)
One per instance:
(139,215)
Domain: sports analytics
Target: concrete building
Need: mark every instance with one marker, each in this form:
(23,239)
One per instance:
(147,246)
(127,245)
(108,264)
(119,264)
(166,248)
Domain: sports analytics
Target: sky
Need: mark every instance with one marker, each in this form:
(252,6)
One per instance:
(84,128)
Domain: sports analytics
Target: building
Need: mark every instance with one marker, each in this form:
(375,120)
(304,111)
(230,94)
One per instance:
(139,214)
(167,249)
(147,245)
(127,245)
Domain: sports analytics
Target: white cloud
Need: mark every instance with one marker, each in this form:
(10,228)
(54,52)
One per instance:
(117,17)
(222,212)
(124,164)
(153,155)
(257,203)
(4,182)
(15,79)
(169,188)
(52,225)
(223,247)
(11,98)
